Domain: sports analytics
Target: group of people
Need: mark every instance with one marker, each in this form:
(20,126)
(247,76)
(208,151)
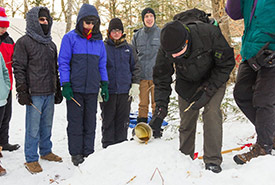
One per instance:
(114,72)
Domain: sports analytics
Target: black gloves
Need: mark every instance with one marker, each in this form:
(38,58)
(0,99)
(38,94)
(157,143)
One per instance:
(24,98)
(264,58)
(156,121)
(203,96)
(58,96)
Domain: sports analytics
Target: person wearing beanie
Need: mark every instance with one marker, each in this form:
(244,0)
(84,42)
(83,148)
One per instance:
(203,61)
(82,66)
(123,74)
(146,42)
(7,49)
(37,85)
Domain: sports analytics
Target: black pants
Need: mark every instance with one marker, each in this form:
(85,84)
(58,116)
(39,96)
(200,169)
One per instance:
(115,119)
(5,116)
(255,95)
(81,123)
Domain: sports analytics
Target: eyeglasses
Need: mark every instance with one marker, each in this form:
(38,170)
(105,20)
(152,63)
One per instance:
(116,31)
(91,22)
(43,19)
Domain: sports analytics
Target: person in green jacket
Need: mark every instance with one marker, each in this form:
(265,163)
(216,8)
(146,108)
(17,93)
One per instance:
(254,91)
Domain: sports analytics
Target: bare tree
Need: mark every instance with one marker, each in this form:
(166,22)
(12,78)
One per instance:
(86,1)
(69,16)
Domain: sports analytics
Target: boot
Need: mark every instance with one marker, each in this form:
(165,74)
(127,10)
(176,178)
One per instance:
(51,157)
(213,167)
(10,147)
(255,151)
(142,120)
(33,167)
(2,171)
(0,152)
(77,159)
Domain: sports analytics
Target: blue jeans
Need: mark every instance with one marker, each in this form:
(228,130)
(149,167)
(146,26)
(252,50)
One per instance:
(39,127)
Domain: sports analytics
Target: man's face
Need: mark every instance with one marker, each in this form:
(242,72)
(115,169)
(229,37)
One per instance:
(149,20)
(3,30)
(116,34)
(43,20)
(88,25)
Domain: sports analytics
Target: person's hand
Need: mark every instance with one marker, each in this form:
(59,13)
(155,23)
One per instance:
(156,121)
(134,91)
(58,97)
(24,98)
(201,102)
(67,91)
(104,91)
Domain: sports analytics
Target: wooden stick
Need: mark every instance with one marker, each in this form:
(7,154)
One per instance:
(159,175)
(76,102)
(189,106)
(231,150)
(131,179)
(36,108)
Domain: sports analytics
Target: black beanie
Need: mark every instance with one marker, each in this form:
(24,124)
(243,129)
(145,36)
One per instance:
(147,10)
(43,13)
(115,23)
(173,37)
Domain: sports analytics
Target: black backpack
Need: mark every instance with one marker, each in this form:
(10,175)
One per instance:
(194,16)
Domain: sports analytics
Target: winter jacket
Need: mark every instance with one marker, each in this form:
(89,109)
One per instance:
(146,42)
(259,28)
(35,58)
(121,67)
(7,48)
(82,62)
(4,82)
(210,61)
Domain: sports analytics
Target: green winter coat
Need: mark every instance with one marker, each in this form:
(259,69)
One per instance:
(4,82)
(259,30)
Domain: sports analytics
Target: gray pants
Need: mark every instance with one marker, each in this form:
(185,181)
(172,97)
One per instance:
(212,119)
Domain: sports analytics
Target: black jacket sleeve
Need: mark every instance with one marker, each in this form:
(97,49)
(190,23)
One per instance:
(162,78)
(135,66)
(223,57)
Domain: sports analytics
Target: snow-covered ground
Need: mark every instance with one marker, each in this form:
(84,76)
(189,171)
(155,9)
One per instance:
(134,163)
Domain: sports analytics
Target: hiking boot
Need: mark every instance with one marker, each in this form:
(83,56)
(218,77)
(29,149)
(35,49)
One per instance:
(2,171)
(77,159)
(33,167)
(51,157)
(255,151)
(10,147)
(213,167)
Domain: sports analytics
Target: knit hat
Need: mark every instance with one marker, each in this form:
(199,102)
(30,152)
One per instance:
(173,37)
(115,23)
(147,10)
(4,22)
(43,13)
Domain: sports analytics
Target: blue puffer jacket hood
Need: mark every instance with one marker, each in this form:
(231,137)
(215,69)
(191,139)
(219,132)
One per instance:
(34,29)
(88,10)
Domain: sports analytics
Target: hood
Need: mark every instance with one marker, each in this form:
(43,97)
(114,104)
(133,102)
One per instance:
(34,29)
(88,10)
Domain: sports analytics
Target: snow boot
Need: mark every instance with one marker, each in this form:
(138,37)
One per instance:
(213,167)
(77,159)
(10,147)
(255,151)
(145,120)
(51,157)
(33,167)
(2,171)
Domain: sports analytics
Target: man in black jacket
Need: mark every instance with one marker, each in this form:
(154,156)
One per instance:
(203,61)
(37,85)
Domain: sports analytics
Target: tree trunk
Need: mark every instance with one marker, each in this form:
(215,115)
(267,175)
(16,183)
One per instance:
(69,16)
(86,1)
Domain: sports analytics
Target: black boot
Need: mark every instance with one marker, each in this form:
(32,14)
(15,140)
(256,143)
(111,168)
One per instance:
(77,159)
(213,167)
(9,147)
(142,120)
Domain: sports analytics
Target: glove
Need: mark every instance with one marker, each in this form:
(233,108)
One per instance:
(24,98)
(156,121)
(203,95)
(264,57)
(67,91)
(104,91)
(134,91)
(58,96)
